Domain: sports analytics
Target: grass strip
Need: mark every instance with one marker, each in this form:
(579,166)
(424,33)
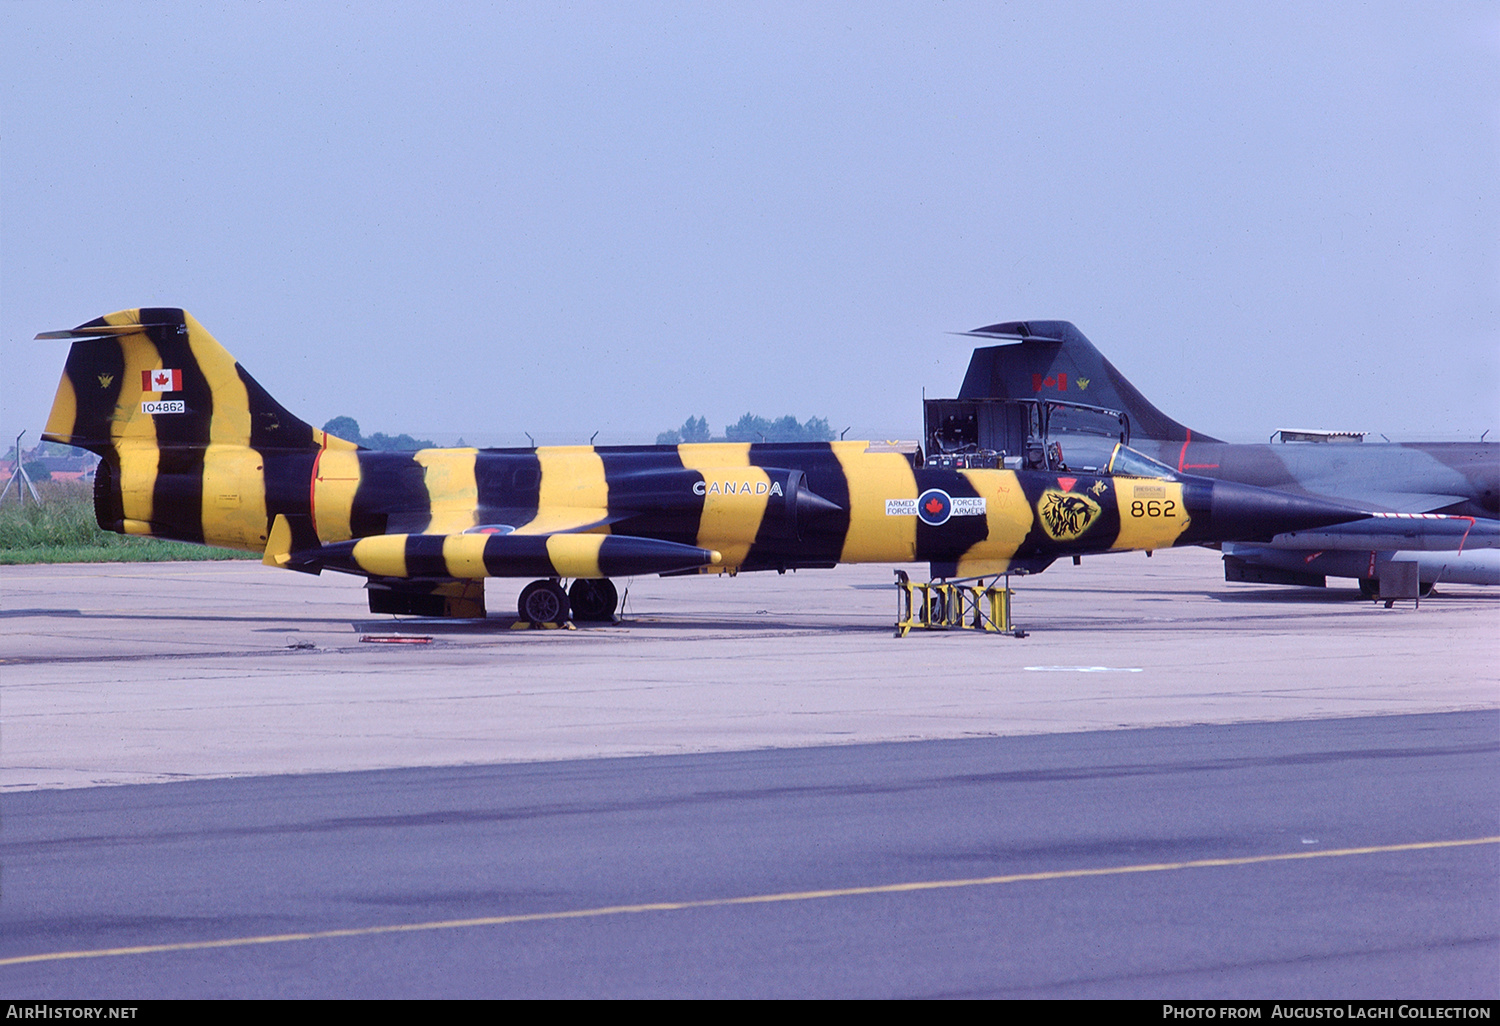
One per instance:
(63,530)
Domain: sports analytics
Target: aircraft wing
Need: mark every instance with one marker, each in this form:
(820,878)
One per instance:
(566,520)
(495,520)
(470,556)
(1395,502)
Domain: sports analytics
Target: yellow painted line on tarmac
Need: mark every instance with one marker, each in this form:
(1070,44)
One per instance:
(753,899)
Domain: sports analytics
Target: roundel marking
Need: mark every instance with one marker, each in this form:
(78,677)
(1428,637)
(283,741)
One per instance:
(490,529)
(934,506)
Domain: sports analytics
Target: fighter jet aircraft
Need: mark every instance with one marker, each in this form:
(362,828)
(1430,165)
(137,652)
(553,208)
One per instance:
(1447,493)
(194,449)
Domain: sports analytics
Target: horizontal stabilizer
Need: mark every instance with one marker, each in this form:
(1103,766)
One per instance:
(1020,331)
(97,329)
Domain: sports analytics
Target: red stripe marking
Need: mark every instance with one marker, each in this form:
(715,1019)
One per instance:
(1183,464)
(1466,533)
(312,487)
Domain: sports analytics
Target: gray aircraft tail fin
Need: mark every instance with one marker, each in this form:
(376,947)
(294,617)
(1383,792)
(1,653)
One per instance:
(1053,360)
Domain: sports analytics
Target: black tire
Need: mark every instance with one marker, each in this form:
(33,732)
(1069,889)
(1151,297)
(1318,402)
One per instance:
(594,599)
(543,602)
(1425,590)
(1369,587)
(937,609)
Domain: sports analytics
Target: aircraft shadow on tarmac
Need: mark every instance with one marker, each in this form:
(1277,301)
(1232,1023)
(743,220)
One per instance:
(753,621)
(1327,596)
(263,618)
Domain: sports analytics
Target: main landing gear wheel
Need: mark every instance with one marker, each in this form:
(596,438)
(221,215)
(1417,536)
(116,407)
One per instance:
(543,602)
(594,599)
(937,609)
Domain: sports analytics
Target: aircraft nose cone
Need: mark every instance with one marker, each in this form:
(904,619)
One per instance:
(810,503)
(1238,512)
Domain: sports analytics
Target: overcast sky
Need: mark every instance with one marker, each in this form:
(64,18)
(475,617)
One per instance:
(479,220)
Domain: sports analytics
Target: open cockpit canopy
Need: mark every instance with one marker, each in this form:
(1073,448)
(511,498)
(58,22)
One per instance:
(1126,462)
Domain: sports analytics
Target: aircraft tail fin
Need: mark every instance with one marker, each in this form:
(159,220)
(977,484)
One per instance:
(156,377)
(1053,360)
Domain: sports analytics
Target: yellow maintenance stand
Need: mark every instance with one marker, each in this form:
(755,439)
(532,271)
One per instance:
(967,605)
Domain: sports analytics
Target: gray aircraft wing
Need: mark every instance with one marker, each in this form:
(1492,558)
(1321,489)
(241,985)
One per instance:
(1384,501)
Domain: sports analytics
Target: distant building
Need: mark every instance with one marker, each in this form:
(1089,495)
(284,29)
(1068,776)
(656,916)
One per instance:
(75,465)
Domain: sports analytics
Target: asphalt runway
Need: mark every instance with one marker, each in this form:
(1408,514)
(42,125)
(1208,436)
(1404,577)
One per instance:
(156,672)
(1175,787)
(1347,858)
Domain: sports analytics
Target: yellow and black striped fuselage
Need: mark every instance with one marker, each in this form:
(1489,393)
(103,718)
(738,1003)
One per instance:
(194,449)
(760,507)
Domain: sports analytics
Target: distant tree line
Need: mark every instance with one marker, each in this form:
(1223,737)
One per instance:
(45,451)
(751,428)
(748,428)
(347,428)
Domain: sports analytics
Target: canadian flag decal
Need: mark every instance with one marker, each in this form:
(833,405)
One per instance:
(161,381)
